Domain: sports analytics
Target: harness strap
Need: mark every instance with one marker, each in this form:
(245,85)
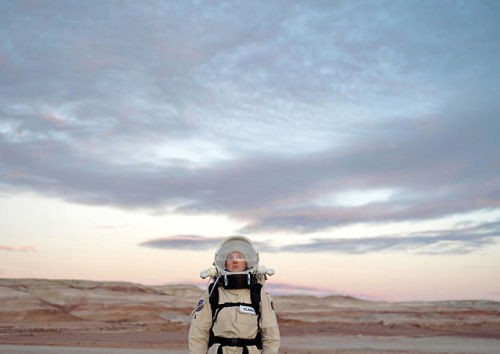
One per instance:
(256,298)
(235,342)
(219,350)
(233,304)
(216,308)
(226,304)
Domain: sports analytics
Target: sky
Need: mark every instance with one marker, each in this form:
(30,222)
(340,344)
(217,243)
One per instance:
(356,143)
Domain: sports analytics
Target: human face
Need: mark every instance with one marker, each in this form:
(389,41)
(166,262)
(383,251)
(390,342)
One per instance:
(235,262)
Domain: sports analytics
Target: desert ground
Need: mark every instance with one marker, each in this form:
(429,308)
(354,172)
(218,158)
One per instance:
(76,316)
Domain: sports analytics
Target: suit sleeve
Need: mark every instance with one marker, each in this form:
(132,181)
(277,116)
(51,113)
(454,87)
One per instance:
(269,325)
(199,331)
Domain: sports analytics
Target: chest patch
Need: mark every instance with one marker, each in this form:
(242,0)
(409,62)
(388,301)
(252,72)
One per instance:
(200,306)
(247,309)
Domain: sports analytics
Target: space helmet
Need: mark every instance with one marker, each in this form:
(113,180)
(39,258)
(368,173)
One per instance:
(239,244)
(254,273)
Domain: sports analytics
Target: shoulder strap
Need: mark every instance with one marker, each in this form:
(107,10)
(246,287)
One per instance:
(214,297)
(255,290)
(214,303)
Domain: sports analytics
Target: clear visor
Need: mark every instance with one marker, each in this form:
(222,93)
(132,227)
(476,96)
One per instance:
(239,244)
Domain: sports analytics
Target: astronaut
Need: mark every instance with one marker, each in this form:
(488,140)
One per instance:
(237,315)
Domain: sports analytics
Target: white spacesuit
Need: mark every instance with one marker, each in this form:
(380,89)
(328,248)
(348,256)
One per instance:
(237,315)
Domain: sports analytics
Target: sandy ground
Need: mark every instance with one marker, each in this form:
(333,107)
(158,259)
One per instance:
(39,349)
(313,344)
(71,316)
(394,344)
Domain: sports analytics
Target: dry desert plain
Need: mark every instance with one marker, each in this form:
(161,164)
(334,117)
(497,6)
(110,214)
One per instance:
(76,316)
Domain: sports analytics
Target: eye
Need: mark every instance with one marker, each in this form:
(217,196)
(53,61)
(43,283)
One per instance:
(235,257)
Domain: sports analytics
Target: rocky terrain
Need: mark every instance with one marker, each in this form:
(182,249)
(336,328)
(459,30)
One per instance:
(81,313)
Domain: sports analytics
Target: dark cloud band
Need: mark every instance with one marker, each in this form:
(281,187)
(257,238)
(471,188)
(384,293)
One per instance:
(184,242)
(461,240)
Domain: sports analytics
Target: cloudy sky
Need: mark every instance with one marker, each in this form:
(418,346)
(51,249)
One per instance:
(356,142)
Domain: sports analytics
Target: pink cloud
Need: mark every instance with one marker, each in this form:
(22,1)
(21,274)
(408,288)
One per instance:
(18,249)
(58,122)
(15,174)
(106,227)
(37,154)
(296,289)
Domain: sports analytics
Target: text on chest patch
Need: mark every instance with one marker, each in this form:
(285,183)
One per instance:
(247,309)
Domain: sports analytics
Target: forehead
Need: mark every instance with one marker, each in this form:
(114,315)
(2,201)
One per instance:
(235,254)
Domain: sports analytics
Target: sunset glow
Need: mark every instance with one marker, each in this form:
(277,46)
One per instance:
(355,142)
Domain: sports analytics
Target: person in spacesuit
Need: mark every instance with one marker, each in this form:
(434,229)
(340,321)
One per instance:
(237,314)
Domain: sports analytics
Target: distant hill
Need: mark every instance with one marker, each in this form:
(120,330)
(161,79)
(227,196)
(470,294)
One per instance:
(83,312)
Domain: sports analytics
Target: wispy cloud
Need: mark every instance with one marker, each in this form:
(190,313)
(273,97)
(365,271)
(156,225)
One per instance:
(108,227)
(458,240)
(450,241)
(18,249)
(189,242)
